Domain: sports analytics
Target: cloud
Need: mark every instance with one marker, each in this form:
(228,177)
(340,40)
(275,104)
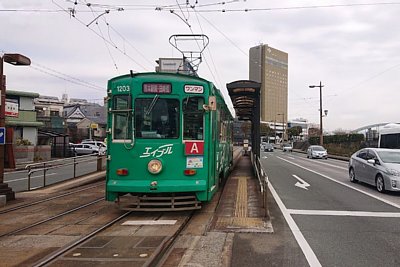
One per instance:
(352,50)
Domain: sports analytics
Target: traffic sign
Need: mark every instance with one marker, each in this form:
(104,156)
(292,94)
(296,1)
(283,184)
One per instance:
(2,135)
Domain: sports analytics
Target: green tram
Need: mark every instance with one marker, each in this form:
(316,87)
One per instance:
(169,140)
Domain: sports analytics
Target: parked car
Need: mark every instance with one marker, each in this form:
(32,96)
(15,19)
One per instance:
(94,142)
(87,149)
(287,147)
(268,147)
(101,145)
(379,167)
(317,152)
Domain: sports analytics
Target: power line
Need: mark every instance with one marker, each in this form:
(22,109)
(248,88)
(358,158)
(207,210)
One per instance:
(116,47)
(291,8)
(71,80)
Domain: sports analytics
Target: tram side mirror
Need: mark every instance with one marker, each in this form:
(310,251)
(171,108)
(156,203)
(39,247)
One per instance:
(212,103)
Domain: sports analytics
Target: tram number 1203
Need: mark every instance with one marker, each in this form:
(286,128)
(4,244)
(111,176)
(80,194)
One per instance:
(123,88)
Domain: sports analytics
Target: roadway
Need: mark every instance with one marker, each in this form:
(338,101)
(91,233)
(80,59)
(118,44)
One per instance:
(335,222)
(18,180)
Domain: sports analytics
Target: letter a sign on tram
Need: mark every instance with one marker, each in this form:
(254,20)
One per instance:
(194,148)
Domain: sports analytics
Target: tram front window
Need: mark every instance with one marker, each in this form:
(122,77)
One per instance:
(122,122)
(193,118)
(156,118)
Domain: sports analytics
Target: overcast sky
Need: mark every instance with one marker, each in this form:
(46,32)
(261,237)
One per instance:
(351,46)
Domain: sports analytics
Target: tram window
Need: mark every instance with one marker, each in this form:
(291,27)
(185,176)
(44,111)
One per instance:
(122,119)
(193,118)
(156,118)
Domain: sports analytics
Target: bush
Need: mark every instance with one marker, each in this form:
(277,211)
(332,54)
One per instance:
(337,139)
(22,142)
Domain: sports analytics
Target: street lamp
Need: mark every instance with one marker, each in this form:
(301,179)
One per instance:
(283,125)
(17,60)
(321,134)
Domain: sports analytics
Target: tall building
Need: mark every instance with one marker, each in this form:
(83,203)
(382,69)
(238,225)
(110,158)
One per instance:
(269,66)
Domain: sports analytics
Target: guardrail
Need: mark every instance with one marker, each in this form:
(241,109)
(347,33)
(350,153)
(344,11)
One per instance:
(58,163)
(262,180)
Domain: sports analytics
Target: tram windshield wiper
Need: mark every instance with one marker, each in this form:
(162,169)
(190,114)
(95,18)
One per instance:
(187,101)
(152,104)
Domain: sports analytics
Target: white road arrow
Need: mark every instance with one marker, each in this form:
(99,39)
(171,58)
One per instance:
(302,184)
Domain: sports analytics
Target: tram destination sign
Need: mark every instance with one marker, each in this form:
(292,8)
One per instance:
(156,88)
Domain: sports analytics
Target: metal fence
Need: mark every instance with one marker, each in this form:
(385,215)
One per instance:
(59,163)
(262,180)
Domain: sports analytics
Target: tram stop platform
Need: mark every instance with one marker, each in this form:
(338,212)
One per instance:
(213,238)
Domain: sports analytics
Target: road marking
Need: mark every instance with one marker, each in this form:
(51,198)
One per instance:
(305,247)
(150,222)
(344,184)
(291,158)
(346,213)
(26,178)
(302,184)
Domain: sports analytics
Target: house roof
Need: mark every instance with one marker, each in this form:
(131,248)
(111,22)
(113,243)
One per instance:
(21,93)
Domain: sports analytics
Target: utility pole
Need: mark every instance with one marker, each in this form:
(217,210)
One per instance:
(321,133)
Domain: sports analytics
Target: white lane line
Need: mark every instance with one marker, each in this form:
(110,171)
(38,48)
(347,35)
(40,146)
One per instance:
(26,178)
(344,184)
(346,213)
(305,247)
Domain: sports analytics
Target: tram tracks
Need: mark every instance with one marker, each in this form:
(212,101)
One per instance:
(22,206)
(52,257)
(51,218)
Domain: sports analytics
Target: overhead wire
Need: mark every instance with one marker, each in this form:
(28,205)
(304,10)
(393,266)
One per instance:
(116,47)
(211,57)
(101,33)
(70,79)
(296,7)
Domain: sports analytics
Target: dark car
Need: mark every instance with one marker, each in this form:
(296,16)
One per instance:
(268,147)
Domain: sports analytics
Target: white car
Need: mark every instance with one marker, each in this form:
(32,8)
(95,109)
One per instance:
(287,147)
(317,152)
(102,147)
(87,149)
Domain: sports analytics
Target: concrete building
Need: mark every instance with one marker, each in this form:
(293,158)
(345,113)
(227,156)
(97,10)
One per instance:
(21,115)
(269,66)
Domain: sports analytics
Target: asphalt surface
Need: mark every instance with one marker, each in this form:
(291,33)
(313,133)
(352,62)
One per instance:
(335,222)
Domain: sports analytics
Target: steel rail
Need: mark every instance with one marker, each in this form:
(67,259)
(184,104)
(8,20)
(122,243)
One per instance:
(48,259)
(48,199)
(52,218)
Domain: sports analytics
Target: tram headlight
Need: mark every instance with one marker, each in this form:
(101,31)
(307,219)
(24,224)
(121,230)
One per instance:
(154,166)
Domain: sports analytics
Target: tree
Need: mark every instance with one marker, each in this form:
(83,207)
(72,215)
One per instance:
(265,130)
(340,131)
(246,128)
(294,131)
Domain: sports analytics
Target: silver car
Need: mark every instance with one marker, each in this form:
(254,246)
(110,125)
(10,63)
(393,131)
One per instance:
(376,166)
(317,152)
(287,147)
